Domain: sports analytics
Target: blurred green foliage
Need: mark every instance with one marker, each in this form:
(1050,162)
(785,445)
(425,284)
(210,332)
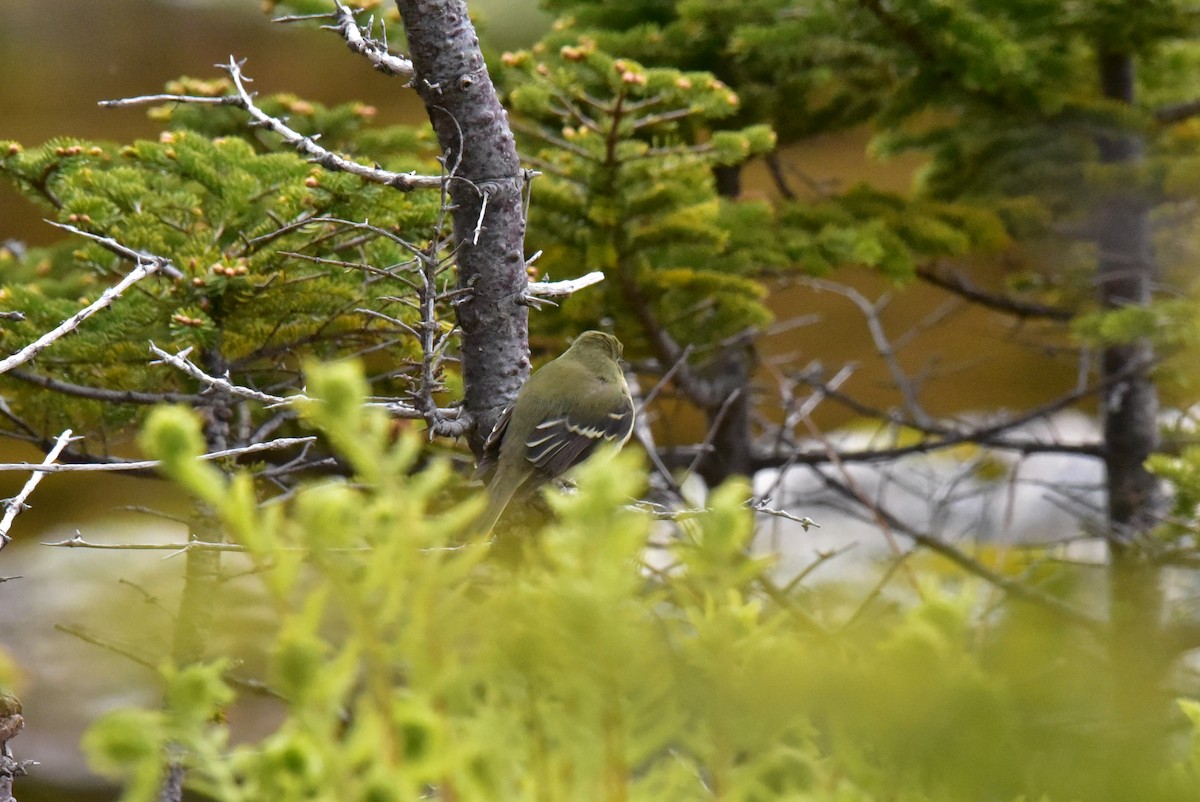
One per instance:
(406,661)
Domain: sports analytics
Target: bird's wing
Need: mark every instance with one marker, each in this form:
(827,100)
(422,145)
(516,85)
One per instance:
(491,446)
(558,444)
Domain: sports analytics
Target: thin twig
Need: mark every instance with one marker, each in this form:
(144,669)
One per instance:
(78,542)
(124,651)
(103,393)
(713,428)
(861,497)
(306,145)
(150,464)
(558,289)
(16,504)
(374,50)
(885,348)
(1014,588)
(146,265)
(666,377)
(962,287)
(181,362)
(807,571)
(761,506)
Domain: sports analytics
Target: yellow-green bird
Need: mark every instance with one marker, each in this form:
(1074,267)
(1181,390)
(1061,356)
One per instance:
(563,413)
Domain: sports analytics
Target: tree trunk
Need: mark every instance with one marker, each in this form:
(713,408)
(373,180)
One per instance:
(1126,272)
(1126,275)
(728,378)
(729,180)
(486,203)
(729,375)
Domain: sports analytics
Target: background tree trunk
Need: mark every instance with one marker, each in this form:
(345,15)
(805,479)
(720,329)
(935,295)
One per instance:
(1126,272)
(728,377)
(1126,275)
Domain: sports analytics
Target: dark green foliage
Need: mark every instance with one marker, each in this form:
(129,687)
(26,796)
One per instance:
(884,231)
(803,72)
(627,189)
(830,82)
(1001,96)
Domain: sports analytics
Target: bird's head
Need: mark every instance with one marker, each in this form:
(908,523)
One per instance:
(598,342)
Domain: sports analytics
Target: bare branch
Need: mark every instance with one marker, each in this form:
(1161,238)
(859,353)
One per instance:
(128,652)
(16,504)
(374,50)
(181,362)
(851,487)
(150,464)
(883,346)
(103,393)
(761,506)
(452,419)
(1177,112)
(306,145)
(146,265)
(1014,588)
(645,435)
(962,287)
(713,428)
(78,542)
(559,289)
(433,347)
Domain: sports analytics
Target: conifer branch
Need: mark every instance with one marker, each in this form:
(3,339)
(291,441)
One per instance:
(308,146)
(319,155)
(146,265)
(16,505)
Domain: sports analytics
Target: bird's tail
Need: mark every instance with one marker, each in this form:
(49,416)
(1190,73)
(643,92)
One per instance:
(499,494)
